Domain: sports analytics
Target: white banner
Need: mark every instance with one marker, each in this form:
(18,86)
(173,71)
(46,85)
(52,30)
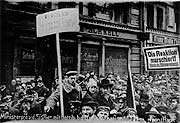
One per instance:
(160,58)
(61,20)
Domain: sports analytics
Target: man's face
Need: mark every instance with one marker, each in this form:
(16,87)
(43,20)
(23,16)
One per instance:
(26,105)
(18,82)
(143,104)
(92,89)
(103,115)
(87,112)
(105,90)
(13,82)
(19,88)
(72,80)
(157,98)
(40,84)
(121,104)
(174,103)
(28,87)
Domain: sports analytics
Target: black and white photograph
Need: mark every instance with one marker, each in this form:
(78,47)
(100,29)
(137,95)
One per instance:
(96,61)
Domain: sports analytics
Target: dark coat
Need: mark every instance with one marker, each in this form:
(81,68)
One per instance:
(142,112)
(92,96)
(42,91)
(71,96)
(103,102)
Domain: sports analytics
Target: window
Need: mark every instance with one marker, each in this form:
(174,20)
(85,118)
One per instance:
(66,5)
(177,21)
(104,11)
(91,9)
(150,16)
(27,66)
(159,18)
(121,11)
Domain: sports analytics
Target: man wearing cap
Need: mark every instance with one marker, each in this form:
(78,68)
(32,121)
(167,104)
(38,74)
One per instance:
(11,87)
(18,81)
(157,100)
(71,92)
(174,111)
(103,97)
(41,89)
(103,112)
(144,107)
(121,106)
(8,106)
(88,109)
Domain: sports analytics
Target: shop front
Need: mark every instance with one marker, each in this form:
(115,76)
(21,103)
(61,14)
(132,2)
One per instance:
(98,48)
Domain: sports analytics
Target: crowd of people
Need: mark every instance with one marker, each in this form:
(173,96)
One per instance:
(91,97)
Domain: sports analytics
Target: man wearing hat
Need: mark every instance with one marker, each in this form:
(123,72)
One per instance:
(144,107)
(103,97)
(8,107)
(88,109)
(71,92)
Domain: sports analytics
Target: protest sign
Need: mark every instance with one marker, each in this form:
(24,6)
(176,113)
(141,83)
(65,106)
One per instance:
(162,57)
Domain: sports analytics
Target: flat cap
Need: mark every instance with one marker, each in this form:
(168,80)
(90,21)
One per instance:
(71,73)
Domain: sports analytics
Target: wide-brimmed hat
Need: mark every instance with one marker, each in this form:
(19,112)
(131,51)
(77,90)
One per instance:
(87,101)
(144,98)
(71,73)
(105,82)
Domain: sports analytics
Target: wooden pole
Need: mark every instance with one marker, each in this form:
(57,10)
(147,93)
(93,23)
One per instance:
(130,78)
(79,56)
(59,74)
(103,58)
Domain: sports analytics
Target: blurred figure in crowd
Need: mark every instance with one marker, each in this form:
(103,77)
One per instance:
(121,106)
(92,89)
(103,112)
(41,89)
(174,109)
(11,87)
(131,114)
(88,109)
(103,97)
(144,107)
(8,107)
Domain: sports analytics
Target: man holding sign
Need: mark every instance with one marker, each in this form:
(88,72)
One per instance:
(71,92)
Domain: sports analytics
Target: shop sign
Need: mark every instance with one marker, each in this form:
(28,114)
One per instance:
(108,32)
(157,38)
(61,20)
(164,39)
(25,79)
(162,57)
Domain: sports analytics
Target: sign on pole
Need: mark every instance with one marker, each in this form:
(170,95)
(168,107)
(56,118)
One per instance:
(162,57)
(55,22)
(61,20)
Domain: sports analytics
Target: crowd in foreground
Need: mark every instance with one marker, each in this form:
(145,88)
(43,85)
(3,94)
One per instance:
(91,97)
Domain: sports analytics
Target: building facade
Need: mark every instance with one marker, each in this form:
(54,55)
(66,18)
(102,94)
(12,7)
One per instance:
(110,39)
